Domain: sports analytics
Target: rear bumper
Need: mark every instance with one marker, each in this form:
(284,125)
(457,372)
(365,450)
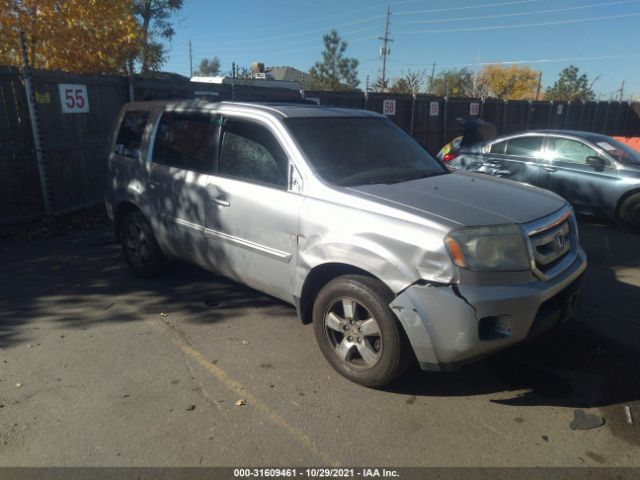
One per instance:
(450,325)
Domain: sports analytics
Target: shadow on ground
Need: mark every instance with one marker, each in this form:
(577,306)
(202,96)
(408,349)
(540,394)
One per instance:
(592,363)
(74,280)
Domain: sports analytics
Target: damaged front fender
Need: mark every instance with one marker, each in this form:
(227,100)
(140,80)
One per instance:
(441,326)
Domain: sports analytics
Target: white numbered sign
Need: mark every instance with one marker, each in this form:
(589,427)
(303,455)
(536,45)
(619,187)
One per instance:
(560,109)
(474,109)
(389,107)
(434,109)
(73,98)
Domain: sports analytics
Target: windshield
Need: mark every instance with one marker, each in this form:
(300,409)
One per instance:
(618,150)
(358,151)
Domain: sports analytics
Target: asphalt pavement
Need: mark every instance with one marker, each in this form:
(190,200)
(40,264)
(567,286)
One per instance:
(100,368)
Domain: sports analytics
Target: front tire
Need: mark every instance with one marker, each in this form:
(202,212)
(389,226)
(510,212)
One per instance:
(358,333)
(630,212)
(139,246)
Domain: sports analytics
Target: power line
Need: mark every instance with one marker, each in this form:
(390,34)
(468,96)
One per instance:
(298,34)
(520,25)
(342,14)
(364,20)
(269,45)
(468,7)
(518,14)
(518,62)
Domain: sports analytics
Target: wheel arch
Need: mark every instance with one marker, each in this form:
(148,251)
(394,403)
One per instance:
(623,198)
(121,210)
(318,277)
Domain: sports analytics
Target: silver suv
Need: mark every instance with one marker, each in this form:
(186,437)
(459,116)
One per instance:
(390,255)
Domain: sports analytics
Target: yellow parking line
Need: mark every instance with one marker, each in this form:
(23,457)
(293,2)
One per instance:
(237,388)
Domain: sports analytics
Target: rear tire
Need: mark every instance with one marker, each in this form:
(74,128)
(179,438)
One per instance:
(139,246)
(630,212)
(358,333)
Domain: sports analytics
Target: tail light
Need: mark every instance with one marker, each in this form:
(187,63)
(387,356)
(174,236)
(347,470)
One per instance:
(448,157)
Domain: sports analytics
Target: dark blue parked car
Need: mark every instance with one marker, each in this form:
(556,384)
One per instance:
(595,173)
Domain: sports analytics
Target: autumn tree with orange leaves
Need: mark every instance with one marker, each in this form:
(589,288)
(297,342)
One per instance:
(79,36)
(509,83)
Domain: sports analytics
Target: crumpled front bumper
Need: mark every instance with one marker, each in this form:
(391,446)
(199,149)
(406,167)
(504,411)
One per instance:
(450,325)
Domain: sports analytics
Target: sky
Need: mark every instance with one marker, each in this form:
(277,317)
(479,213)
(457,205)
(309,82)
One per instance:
(601,37)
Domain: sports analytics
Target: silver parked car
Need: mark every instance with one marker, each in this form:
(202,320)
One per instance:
(342,214)
(596,173)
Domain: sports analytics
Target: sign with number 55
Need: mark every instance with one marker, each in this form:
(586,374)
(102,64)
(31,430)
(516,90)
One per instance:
(73,98)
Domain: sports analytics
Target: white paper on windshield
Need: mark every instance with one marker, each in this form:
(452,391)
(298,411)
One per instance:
(607,146)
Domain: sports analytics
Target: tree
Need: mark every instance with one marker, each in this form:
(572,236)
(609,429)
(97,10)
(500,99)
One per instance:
(570,86)
(510,83)
(379,86)
(452,83)
(79,36)
(410,83)
(208,68)
(335,71)
(156,26)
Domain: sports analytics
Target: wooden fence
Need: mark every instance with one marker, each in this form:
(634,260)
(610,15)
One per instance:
(75,145)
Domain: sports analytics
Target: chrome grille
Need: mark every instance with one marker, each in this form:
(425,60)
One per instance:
(553,243)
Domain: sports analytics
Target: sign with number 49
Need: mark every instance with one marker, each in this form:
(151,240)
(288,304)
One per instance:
(73,98)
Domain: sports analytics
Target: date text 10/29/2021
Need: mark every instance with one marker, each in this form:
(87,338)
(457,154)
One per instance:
(315,473)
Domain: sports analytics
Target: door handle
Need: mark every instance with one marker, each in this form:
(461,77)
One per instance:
(221,202)
(550,169)
(496,163)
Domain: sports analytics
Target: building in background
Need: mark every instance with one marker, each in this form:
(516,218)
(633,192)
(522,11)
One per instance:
(273,77)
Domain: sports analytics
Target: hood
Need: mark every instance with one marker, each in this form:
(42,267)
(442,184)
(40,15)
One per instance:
(466,198)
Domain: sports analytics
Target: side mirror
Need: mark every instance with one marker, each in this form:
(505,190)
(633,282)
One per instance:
(597,163)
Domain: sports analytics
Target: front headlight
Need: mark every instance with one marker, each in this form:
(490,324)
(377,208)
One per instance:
(492,248)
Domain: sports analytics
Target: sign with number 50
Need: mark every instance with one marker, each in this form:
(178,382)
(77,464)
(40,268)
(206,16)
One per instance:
(73,98)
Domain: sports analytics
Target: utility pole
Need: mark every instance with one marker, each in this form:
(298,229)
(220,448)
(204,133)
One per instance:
(233,81)
(190,61)
(433,73)
(539,86)
(384,50)
(366,89)
(622,91)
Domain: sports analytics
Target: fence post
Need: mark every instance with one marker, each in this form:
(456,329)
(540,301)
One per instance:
(413,113)
(444,120)
(595,116)
(505,106)
(37,139)
(549,114)
(582,108)
(132,95)
(566,115)
(625,121)
(606,118)
(366,100)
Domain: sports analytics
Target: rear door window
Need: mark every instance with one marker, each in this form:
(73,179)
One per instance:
(498,147)
(130,133)
(187,140)
(528,147)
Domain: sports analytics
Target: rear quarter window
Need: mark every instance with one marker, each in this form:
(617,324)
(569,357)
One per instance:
(130,133)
